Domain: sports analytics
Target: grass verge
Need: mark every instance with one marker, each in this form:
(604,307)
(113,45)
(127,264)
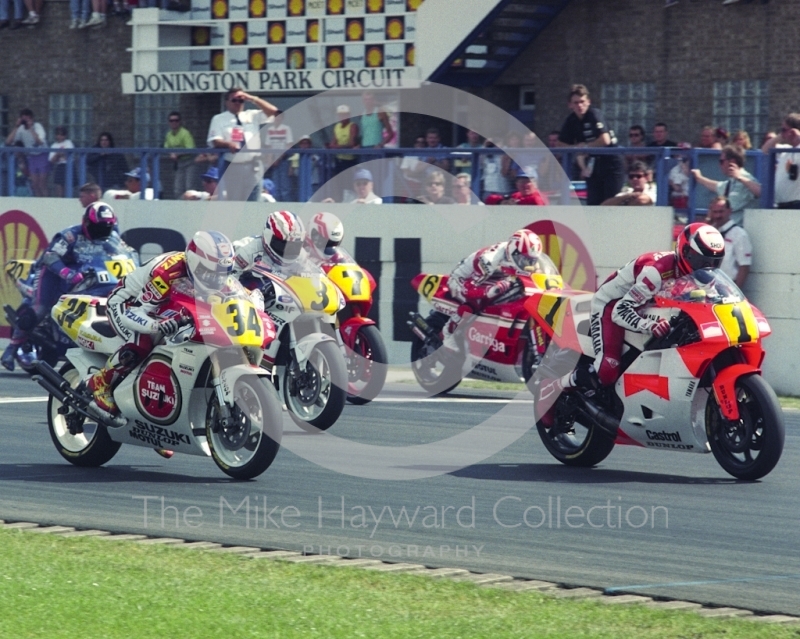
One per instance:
(54,587)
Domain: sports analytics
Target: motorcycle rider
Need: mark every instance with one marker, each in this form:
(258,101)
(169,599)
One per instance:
(279,244)
(324,237)
(58,269)
(483,276)
(616,304)
(203,268)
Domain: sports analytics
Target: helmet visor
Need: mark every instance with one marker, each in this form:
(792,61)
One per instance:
(289,251)
(213,280)
(698,262)
(524,261)
(99,230)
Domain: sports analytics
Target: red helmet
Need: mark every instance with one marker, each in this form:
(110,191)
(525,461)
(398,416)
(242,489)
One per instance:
(700,246)
(524,248)
(99,221)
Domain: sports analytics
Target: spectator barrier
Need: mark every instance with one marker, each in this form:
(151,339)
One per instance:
(395,242)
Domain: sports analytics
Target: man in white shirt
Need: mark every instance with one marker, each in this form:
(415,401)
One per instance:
(787,180)
(238,132)
(362,185)
(738,248)
(279,138)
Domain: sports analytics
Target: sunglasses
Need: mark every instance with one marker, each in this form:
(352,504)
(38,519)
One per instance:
(636,176)
(237,100)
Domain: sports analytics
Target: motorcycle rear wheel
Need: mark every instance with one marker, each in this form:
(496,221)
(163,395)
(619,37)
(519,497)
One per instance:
(320,398)
(759,429)
(87,444)
(365,379)
(571,442)
(436,373)
(248,447)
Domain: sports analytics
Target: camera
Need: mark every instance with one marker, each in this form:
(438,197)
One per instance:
(793,172)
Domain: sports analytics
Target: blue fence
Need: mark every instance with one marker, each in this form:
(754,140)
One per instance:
(316,167)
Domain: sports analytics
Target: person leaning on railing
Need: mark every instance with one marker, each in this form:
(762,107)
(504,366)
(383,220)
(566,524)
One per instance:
(787,184)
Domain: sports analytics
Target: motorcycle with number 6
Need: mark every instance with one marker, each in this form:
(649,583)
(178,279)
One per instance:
(699,389)
(201,391)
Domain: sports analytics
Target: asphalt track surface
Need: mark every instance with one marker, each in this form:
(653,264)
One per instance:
(706,536)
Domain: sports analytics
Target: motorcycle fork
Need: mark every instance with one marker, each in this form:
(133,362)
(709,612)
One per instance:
(225,412)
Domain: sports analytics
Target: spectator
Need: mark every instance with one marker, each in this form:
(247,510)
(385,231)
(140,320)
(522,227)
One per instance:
(738,248)
(362,185)
(98,18)
(708,139)
(463,163)
(210,179)
(6,21)
(740,188)
(434,141)
(636,138)
(413,168)
(34,8)
(80,11)
(742,139)
(178,137)
(133,187)
(461,187)
(767,137)
(108,169)
(32,135)
(531,161)
(641,191)
(721,136)
(22,181)
(526,193)
(679,181)
(434,189)
(494,183)
(279,138)
(59,160)
(345,136)
(376,129)
(661,136)
(237,131)
(267,189)
(787,184)
(509,168)
(552,139)
(313,163)
(89,193)
(585,127)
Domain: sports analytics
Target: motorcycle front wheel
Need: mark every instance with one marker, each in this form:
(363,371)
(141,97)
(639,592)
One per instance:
(437,373)
(571,441)
(77,440)
(366,366)
(247,446)
(316,395)
(749,447)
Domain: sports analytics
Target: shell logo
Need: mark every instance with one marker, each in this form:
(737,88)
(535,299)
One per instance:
(201,36)
(21,237)
(410,55)
(258,60)
(355,29)
(238,33)
(395,29)
(312,31)
(568,253)
(297,7)
(218,60)
(297,59)
(413,5)
(335,7)
(258,9)
(277,33)
(374,6)
(375,56)
(219,9)
(334,57)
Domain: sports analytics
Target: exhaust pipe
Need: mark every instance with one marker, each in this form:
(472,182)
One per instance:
(597,415)
(48,373)
(53,390)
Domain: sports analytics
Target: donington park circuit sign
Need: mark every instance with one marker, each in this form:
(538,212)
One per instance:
(313,80)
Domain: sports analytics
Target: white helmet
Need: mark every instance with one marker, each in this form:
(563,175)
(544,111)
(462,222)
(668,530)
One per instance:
(209,261)
(524,248)
(325,235)
(283,236)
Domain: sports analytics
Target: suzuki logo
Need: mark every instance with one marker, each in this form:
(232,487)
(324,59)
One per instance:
(486,340)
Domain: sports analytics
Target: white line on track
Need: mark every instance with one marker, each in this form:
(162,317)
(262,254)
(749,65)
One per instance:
(22,400)
(450,400)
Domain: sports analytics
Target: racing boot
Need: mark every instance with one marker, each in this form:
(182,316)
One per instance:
(7,360)
(450,340)
(100,386)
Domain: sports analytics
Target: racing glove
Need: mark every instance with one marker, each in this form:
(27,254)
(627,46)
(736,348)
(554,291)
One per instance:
(73,278)
(169,326)
(660,328)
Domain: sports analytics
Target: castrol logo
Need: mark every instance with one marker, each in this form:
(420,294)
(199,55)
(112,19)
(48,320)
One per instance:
(486,340)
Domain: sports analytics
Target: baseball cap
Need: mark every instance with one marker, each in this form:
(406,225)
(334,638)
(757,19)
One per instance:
(268,185)
(362,174)
(137,174)
(343,108)
(212,174)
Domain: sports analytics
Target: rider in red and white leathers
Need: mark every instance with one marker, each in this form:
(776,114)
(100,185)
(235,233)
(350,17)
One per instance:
(482,277)
(616,304)
(277,248)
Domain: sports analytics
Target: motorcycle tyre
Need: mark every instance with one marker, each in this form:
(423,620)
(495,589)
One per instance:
(596,446)
(372,336)
(773,430)
(269,445)
(338,390)
(100,449)
(436,387)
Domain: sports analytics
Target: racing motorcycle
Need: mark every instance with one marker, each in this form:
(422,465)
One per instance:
(305,359)
(365,351)
(200,392)
(698,389)
(103,264)
(501,344)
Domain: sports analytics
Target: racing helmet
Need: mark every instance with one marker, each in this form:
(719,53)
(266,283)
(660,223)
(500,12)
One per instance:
(325,235)
(99,221)
(524,248)
(209,261)
(699,246)
(283,237)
